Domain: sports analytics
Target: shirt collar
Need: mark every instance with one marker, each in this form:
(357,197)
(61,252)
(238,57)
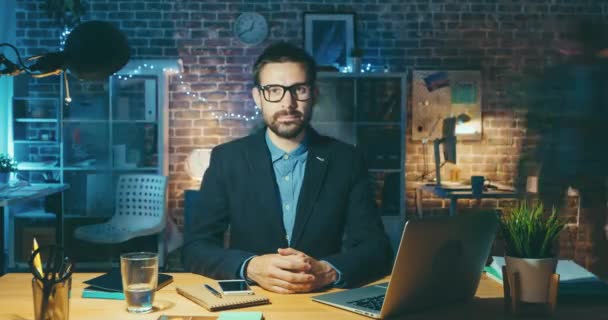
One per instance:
(276,153)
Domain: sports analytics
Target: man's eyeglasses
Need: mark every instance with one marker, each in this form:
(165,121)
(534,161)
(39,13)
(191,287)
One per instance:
(276,92)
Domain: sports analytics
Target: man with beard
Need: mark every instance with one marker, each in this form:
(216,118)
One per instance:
(298,204)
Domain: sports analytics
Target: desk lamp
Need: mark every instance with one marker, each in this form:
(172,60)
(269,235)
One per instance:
(94,50)
(448,140)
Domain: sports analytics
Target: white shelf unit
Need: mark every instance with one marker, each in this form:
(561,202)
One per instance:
(103,111)
(129,135)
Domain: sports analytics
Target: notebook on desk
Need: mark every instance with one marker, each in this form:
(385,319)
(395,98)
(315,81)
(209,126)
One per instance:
(439,261)
(91,292)
(109,285)
(206,299)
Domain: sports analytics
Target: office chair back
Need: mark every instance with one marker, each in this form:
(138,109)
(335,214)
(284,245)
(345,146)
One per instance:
(139,211)
(140,201)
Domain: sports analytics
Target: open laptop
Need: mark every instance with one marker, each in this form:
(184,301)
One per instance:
(439,261)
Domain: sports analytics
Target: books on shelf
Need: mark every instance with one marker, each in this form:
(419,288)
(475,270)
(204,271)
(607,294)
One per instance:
(575,281)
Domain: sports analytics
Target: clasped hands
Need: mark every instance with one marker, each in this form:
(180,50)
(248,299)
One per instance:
(290,271)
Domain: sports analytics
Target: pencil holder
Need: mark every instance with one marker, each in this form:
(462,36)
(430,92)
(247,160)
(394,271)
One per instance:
(51,299)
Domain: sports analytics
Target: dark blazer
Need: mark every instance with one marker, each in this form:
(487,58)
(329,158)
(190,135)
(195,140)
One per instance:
(335,221)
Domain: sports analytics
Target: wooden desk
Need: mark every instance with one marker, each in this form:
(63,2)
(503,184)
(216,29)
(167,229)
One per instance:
(22,194)
(453,192)
(16,304)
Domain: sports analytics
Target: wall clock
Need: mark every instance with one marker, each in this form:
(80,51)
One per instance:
(251,28)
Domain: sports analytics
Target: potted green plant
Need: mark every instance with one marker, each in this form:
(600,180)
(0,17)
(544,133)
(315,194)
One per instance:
(7,165)
(529,235)
(356,56)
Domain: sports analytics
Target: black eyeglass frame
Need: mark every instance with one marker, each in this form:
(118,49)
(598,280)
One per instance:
(291,89)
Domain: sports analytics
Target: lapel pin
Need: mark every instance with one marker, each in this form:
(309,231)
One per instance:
(320,159)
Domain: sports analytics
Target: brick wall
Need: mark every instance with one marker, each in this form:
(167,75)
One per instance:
(495,36)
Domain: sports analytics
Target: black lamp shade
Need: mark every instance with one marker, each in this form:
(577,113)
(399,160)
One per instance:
(94,50)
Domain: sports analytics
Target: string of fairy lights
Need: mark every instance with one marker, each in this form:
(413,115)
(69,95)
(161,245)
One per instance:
(218,114)
(64,35)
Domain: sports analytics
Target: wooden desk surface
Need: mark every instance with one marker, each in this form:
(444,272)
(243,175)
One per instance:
(16,304)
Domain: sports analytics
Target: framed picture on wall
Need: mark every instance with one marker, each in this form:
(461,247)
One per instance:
(329,37)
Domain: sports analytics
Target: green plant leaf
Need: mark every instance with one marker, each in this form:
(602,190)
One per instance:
(527,233)
(7,164)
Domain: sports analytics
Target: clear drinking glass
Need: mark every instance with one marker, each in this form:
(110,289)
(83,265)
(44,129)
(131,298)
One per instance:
(139,271)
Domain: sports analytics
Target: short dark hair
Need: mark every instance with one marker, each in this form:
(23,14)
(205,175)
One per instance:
(285,52)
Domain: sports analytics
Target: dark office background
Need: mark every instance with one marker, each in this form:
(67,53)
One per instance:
(500,38)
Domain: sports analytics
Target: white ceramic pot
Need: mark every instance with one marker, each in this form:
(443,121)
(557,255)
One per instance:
(534,277)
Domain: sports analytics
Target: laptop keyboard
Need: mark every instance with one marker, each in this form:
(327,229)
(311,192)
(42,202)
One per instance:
(374,303)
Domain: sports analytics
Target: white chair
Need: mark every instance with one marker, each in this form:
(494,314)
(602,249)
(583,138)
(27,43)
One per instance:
(140,206)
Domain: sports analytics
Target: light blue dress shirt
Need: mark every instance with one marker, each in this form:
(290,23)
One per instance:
(289,171)
(289,168)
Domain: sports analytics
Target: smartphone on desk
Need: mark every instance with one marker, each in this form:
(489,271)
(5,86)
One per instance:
(234,287)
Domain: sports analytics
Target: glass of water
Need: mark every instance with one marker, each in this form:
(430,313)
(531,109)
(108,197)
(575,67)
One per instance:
(139,271)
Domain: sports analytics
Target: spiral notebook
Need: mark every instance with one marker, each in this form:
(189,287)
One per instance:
(203,297)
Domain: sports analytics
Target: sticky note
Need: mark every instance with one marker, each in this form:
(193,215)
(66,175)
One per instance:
(464,93)
(252,315)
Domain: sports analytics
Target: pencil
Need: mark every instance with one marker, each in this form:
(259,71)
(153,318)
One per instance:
(37,261)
